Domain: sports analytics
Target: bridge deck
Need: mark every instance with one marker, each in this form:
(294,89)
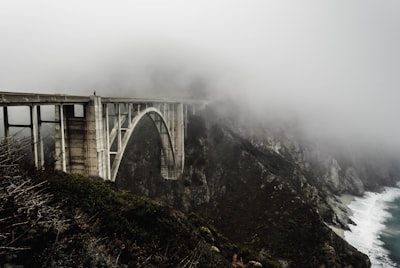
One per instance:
(20,99)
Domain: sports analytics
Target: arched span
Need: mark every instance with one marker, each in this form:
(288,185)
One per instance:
(168,161)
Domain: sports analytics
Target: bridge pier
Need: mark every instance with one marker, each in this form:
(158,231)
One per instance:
(179,137)
(80,142)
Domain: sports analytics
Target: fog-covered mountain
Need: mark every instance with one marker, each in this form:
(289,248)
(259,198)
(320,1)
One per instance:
(263,185)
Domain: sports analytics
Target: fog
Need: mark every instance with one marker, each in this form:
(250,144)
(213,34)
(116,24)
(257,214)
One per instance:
(333,65)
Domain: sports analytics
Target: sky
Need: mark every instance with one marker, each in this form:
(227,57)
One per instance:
(333,64)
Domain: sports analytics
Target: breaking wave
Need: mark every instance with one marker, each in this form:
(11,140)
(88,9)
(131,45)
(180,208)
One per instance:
(370,213)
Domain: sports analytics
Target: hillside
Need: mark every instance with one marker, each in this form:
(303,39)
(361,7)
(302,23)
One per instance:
(247,197)
(73,221)
(254,196)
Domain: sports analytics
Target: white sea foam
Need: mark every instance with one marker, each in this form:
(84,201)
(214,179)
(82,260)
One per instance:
(369,213)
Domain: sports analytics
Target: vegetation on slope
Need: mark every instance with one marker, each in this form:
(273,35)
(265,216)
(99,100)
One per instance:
(61,220)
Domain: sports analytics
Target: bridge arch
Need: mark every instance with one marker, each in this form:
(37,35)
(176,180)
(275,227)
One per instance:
(169,165)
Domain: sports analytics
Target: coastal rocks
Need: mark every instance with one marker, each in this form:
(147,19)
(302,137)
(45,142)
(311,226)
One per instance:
(353,182)
(341,217)
(331,177)
(339,181)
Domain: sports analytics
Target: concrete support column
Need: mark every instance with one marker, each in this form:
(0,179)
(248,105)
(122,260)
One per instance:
(63,156)
(6,123)
(167,159)
(119,134)
(34,134)
(100,139)
(167,155)
(129,115)
(171,122)
(106,124)
(179,138)
(166,113)
(40,138)
(185,119)
(95,160)
(61,162)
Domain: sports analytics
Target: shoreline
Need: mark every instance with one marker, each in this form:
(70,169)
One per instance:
(346,199)
(340,206)
(366,235)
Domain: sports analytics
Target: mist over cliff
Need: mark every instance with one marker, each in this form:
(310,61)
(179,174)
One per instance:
(314,81)
(331,67)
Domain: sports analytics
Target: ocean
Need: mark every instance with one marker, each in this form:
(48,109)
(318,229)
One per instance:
(377,229)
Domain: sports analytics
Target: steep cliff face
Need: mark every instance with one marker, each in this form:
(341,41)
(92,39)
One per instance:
(261,193)
(340,168)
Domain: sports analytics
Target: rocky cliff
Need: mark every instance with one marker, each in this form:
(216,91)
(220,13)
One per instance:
(265,190)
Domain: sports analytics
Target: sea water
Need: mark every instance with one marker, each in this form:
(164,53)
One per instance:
(377,229)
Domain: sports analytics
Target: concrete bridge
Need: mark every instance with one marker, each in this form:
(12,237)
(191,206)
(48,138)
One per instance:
(92,132)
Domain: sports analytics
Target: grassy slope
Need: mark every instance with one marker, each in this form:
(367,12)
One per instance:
(110,228)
